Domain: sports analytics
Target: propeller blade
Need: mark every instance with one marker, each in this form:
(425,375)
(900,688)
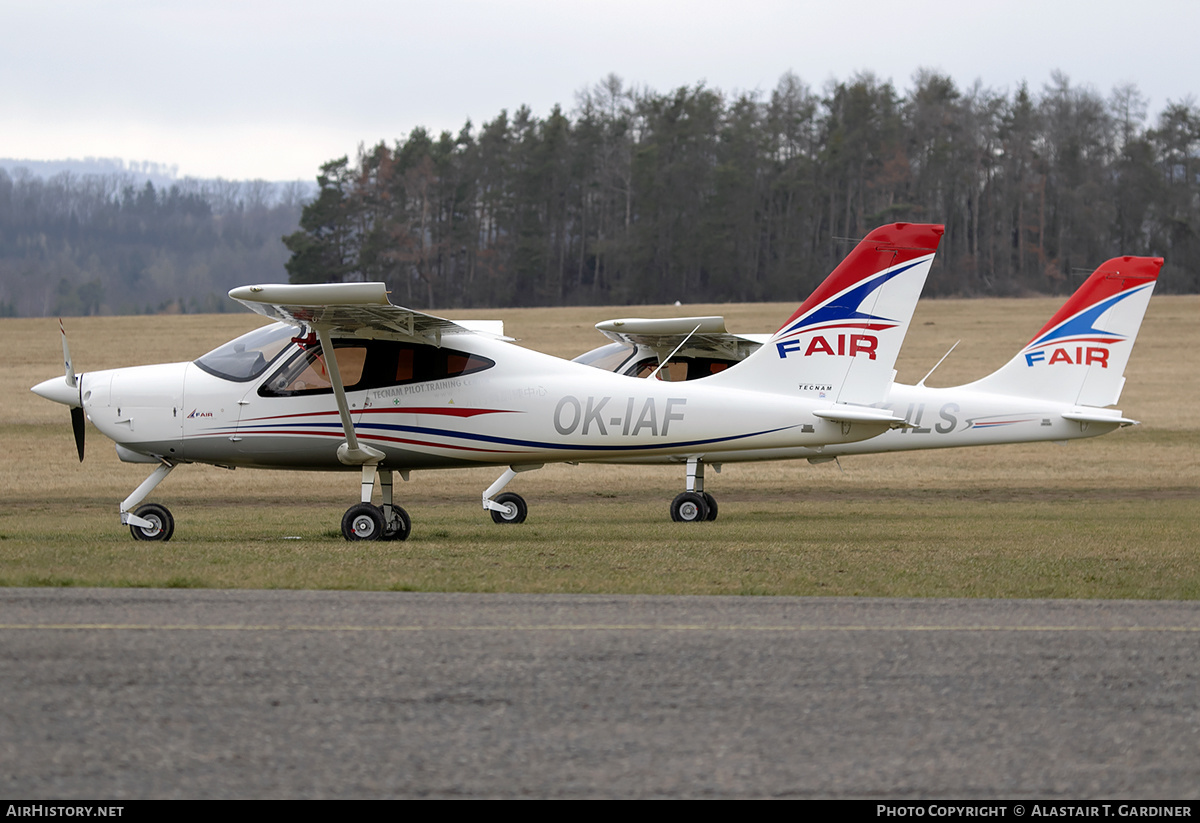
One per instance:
(77,424)
(70,368)
(77,427)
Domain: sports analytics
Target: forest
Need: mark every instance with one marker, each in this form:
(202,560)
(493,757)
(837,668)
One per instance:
(82,244)
(636,196)
(700,196)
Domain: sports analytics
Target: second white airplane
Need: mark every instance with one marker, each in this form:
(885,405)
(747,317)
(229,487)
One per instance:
(1056,388)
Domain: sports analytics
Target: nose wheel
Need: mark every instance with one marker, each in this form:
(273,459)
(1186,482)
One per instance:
(507,507)
(514,509)
(149,522)
(161,525)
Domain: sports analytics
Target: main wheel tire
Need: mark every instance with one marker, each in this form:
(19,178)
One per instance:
(363,522)
(400,526)
(689,507)
(160,516)
(515,504)
(712,506)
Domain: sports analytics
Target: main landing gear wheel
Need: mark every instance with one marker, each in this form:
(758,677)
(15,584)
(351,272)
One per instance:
(163,524)
(400,526)
(515,509)
(689,507)
(363,522)
(712,506)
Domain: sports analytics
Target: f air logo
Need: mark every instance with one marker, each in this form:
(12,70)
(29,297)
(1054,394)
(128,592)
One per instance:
(1083,357)
(840,346)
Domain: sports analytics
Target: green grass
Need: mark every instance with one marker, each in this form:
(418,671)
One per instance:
(899,545)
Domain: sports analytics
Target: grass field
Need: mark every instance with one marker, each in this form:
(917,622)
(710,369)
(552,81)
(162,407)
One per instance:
(1111,517)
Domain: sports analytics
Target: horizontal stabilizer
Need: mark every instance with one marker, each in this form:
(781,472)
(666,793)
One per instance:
(861,414)
(1099,416)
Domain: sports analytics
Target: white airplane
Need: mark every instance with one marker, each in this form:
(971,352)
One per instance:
(407,390)
(1056,388)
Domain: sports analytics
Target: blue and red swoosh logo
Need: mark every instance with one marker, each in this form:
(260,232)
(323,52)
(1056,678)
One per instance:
(843,311)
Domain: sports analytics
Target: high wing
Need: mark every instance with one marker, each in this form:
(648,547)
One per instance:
(695,335)
(354,310)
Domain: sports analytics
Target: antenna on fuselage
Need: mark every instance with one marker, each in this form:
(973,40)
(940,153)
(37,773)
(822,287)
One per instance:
(938,363)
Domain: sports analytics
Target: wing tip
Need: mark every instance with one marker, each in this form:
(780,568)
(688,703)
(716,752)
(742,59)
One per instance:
(313,294)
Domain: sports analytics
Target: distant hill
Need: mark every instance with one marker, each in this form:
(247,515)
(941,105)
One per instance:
(140,172)
(160,174)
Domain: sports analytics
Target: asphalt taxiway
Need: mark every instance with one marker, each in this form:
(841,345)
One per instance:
(124,694)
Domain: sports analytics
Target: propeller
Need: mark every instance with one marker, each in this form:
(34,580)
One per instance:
(76,411)
(68,392)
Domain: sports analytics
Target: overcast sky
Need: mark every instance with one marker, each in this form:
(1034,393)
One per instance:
(274,88)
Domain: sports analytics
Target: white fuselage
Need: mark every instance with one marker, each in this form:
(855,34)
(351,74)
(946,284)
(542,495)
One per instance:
(960,416)
(528,408)
(946,418)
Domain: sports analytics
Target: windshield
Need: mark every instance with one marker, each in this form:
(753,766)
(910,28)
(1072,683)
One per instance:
(248,356)
(608,358)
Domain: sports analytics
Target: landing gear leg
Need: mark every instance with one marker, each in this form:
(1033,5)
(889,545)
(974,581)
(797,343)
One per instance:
(364,521)
(507,507)
(695,504)
(149,522)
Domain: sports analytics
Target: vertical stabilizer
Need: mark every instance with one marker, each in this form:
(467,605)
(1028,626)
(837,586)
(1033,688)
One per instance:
(841,344)
(1080,355)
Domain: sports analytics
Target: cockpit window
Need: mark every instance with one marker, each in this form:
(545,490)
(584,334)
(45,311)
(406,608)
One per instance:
(248,356)
(679,369)
(308,372)
(369,364)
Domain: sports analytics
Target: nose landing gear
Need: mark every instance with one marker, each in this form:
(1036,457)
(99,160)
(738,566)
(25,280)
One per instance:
(507,507)
(152,521)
